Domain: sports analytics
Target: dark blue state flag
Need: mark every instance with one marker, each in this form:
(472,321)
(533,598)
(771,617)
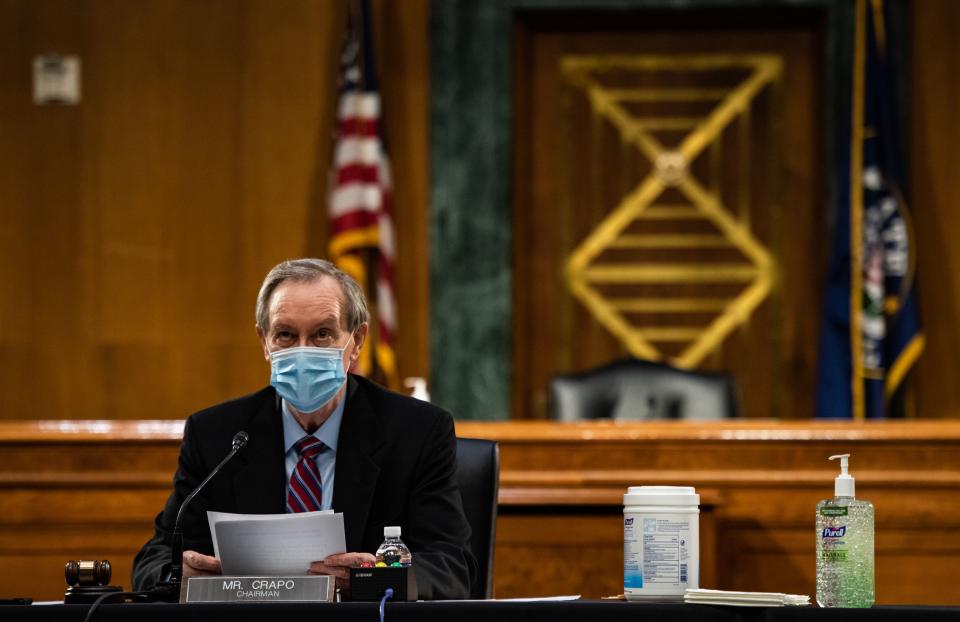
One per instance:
(870,334)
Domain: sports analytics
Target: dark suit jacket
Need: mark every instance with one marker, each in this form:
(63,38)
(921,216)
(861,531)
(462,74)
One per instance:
(396,461)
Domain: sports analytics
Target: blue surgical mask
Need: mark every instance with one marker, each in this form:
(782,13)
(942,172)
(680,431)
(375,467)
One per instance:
(307,377)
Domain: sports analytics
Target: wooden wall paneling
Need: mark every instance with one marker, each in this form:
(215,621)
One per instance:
(138,225)
(573,168)
(161,203)
(934,194)
(39,182)
(290,73)
(404,68)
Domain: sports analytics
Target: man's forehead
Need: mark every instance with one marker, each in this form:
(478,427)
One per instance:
(315,298)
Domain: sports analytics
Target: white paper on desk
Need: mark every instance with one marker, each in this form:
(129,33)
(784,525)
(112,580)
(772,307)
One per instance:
(539,599)
(217,517)
(275,544)
(530,599)
(743,599)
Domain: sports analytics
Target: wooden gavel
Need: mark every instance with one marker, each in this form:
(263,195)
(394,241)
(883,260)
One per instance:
(87,573)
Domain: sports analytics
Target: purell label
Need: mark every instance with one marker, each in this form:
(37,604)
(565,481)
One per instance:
(833,511)
(834,532)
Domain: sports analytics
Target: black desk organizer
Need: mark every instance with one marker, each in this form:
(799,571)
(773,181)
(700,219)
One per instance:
(369,584)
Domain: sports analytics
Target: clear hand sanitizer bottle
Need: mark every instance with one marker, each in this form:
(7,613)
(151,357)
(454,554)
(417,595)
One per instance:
(393,552)
(844,545)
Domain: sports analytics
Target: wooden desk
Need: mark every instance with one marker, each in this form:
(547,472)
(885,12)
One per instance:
(90,490)
(763,480)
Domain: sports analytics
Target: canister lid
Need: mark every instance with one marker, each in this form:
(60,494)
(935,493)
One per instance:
(661,495)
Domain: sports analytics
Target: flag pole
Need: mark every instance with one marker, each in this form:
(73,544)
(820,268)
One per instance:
(856,212)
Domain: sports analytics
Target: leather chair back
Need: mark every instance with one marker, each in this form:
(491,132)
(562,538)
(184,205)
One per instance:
(634,389)
(478,474)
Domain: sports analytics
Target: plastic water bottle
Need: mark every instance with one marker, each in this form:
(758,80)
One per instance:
(393,552)
(845,545)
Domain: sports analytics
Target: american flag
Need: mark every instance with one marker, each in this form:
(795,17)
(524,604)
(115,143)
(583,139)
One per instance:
(361,240)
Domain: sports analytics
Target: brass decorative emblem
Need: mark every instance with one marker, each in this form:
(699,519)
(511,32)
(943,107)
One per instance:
(671,171)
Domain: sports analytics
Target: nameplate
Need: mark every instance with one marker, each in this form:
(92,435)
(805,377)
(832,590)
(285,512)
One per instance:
(313,589)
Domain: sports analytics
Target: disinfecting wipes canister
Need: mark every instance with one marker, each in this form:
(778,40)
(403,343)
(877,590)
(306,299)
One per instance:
(661,542)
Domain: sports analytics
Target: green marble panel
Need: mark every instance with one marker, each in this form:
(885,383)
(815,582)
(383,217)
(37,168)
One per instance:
(470,203)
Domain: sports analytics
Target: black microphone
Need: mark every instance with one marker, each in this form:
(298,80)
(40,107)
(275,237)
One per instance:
(172,587)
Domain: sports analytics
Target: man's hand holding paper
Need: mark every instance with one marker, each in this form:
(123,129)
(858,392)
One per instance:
(339,566)
(275,544)
(199,565)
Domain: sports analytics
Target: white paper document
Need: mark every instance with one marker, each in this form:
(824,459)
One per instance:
(539,599)
(744,599)
(275,544)
(529,599)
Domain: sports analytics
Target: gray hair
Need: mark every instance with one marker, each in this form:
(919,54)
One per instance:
(305,271)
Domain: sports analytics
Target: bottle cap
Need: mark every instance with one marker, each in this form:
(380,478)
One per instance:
(661,495)
(419,386)
(844,485)
(391,532)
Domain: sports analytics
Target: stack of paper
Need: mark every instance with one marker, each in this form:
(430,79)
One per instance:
(744,599)
(274,544)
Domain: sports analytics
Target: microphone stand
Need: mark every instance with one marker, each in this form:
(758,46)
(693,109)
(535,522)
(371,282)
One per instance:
(169,590)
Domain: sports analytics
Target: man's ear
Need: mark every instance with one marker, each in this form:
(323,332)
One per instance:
(359,338)
(263,343)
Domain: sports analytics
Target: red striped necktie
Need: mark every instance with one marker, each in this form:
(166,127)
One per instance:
(306,491)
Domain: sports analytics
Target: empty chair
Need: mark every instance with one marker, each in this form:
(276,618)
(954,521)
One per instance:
(637,390)
(478,475)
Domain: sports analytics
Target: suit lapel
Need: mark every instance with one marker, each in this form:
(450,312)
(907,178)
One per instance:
(259,485)
(357,470)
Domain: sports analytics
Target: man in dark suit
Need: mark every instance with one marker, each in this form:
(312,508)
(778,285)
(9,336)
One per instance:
(384,458)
